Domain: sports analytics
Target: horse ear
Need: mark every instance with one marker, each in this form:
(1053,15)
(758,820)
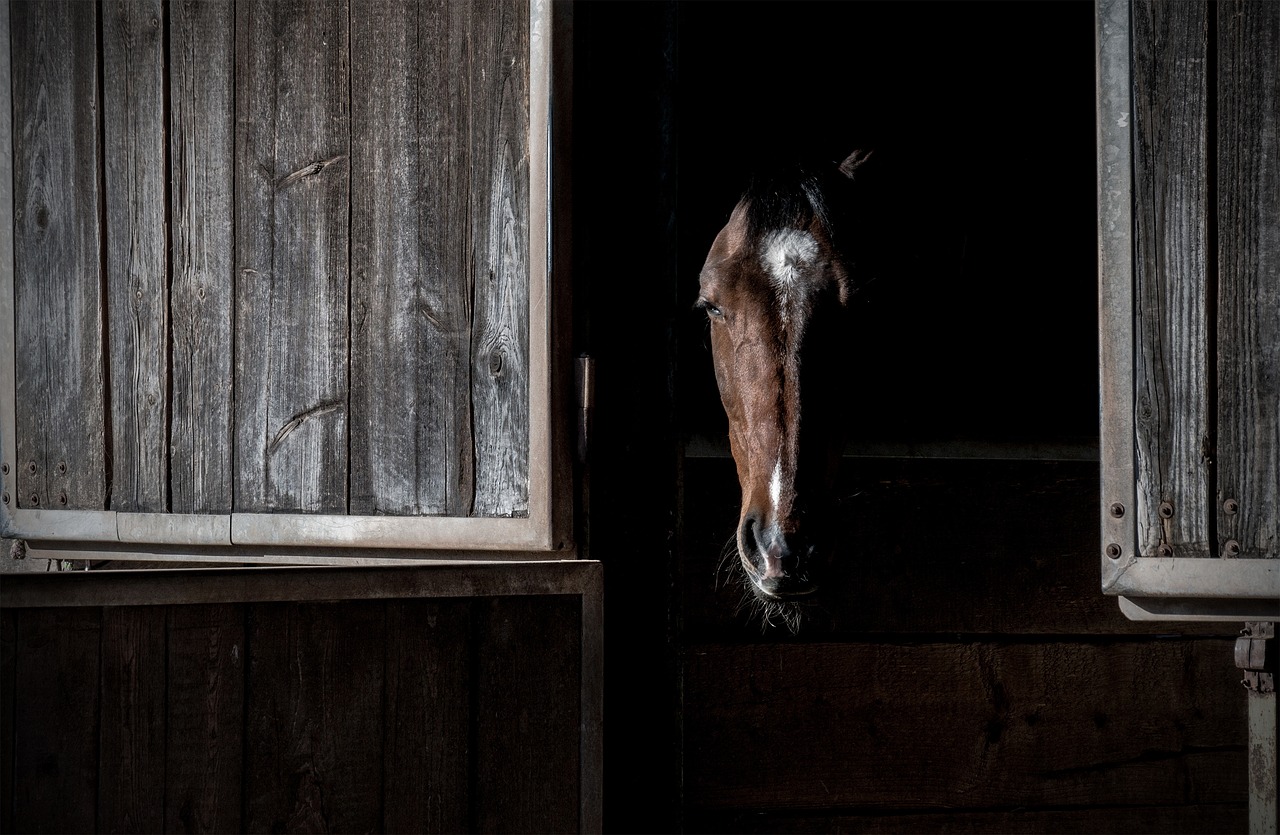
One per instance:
(854,161)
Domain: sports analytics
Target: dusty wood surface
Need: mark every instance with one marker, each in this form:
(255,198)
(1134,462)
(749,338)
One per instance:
(292,202)
(412,280)
(1171,216)
(201,148)
(1248,298)
(976,725)
(132,735)
(55,725)
(205,750)
(499,362)
(57,246)
(428,717)
(137,286)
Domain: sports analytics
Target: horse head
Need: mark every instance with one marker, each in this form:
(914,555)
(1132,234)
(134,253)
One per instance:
(776,287)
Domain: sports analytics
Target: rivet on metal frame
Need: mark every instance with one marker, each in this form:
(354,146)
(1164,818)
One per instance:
(4,468)
(1114,551)
(5,498)
(1165,550)
(1117,510)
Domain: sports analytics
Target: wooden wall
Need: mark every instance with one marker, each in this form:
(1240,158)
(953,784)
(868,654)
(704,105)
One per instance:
(272,256)
(400,715)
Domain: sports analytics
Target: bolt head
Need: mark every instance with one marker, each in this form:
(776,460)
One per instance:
(1231,548)
(1113,551)
(1117,510)
(1230,507)
(1166,510)
(1164,551)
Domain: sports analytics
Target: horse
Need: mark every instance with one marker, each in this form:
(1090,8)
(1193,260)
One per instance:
(776,289)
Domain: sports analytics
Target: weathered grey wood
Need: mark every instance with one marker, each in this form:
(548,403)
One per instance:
(57,248)
(56,720)
(499,79)
(527,715)
(428,716)
(1172,395)
(206,700)
(136,254)
(1249,276)
(292,186)
(201,147)
(314,724)
(947,726)
(411,445)
(131,752)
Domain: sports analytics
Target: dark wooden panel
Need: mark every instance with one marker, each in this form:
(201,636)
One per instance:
(527,696)
(315,717)
(136,254)
(499,92)
(1171,224)
(428,718)
(1156,820)
(56,720)
(8,656)
(57,246)
(201,148)
(924,547)
(291,217)
(411,446)
(205,719)
(942,726)
(1248,265)
(131,754)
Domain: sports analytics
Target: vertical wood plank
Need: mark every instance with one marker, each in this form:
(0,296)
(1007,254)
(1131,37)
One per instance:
(202,148)
(315,717)
(131,754)
(528,693)
(428,716)
(500,216)
(57,247)
(8,618)
(291,216)
(56,720)
(411,448)
(1171,368)
(1249,276)
(205,720)
(133,112)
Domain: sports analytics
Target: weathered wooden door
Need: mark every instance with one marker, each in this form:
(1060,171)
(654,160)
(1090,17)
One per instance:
(278,275)
(1189,236)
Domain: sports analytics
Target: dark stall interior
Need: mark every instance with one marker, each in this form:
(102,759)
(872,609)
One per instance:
(938,673)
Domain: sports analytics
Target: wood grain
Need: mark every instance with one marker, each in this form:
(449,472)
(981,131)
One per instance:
(56,720)
(315,717)
(1172,396)
(202,295)
(947,726)
(60,403)
(527,716)
(206,699)
(499,210)
(136,263)
(411,443)
(131,753)
(291,217)
(1248,299)
(428,716)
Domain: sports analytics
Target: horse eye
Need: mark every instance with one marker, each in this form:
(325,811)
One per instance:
(710,308)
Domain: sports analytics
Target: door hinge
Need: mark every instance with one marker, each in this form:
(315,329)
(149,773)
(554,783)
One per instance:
(584,379)
(1256,657)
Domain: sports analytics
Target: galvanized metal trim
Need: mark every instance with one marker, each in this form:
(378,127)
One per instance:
(234,555)
(1118,544)
(435,532)
(62,525)
(1196,609)
(180,529)
(1192,577)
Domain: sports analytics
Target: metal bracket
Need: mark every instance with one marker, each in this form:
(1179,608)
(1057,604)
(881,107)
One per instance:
(1256,657)
(585,386)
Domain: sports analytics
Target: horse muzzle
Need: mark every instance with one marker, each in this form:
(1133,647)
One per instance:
(779,565)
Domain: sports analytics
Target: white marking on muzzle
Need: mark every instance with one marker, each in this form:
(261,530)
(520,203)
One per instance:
(775,487)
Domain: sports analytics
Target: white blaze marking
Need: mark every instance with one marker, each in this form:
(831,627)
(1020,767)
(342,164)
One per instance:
(783,253)
(775,487)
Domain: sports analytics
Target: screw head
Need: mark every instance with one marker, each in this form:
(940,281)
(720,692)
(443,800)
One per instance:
(1166,510)
(5,498)
(1113,551)
(62,499)
(31,467)
(1117,510)
(62,468)
(1231,507)
(34,500)
(4,468)
(1231,548)
(1164,551)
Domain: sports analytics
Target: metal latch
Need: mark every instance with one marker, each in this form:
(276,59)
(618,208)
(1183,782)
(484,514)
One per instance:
(585,384)
(1252,656)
